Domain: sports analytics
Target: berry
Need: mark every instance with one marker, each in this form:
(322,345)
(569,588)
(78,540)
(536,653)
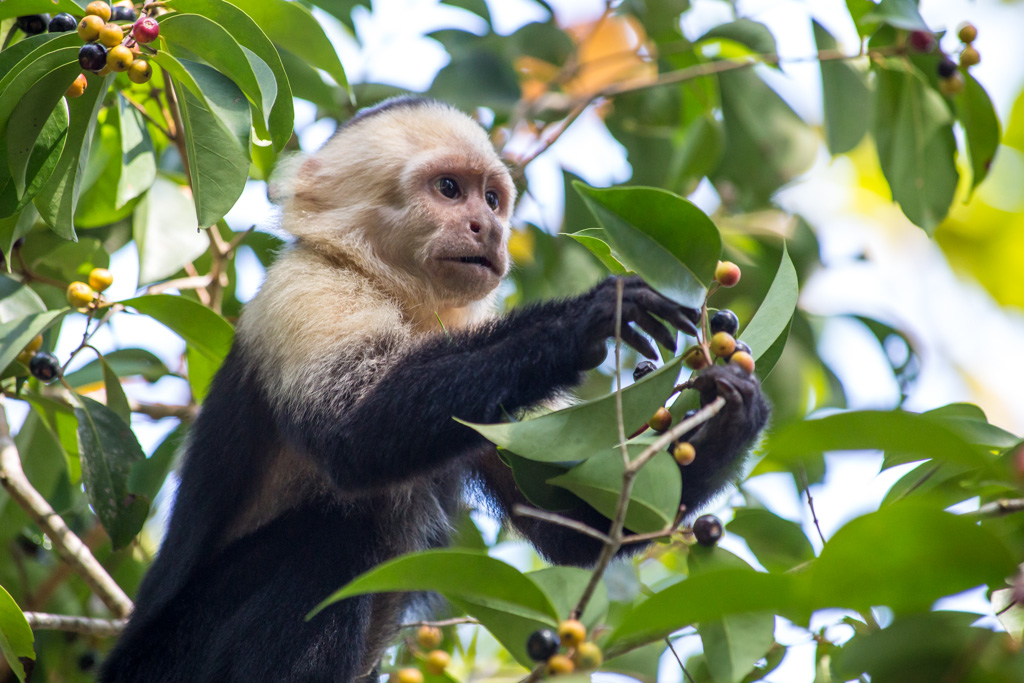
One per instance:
(707,529)
(559,665)
(684,452)
(659,422)
(89,27)
(642,369)
(922,41)
(744,347)
(62,23)
(77,88)
(969,57)
(106,70)
(722,344)
(92,57)
(145,30)
(967,33)
(946,68)
(437,662)
(44,366)
(100,9)
(724,321)
(953,85)
(571,631)
(35,344)
(588,656)
(428,637)
(80,295)
(744,360)
(140,71)
(727,273)
(111,35)
(25,357)
(87,660)
(122,13)
(120,58)
(409,676)
(100,279)
(694,358)
(33,24)
(542,645)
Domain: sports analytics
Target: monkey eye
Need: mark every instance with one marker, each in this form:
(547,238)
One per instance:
(492,199)
(449,187)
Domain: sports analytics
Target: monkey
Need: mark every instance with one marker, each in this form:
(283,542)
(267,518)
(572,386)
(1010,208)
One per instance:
(327,442)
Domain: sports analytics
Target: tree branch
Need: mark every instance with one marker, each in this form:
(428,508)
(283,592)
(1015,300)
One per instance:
(40,621)
(579,527)
(67,544)
(998,508)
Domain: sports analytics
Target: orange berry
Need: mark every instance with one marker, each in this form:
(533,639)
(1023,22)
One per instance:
(969,57)
(694,358)
(77,88)
(111,35)
(428,637)
(722,344)
(588,656)
(80,295)
(727,273)
(89,27)
(743,360)
(120,58)
(140,71)
(100,279)
(25,357)
(100,9)
(967,33)
(953,85)
(437,662)
(409,676)
(659,422)
(559,665)
(684,453)
(572,632)
(35,344)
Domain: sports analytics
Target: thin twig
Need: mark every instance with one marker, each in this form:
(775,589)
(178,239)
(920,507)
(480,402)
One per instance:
(145,114)
(998,508)
(68,545)
(40,621)
(580,527)
(179,137)
(441,624)
(676,655)
(553,138)
(810,503)
(158,411)
(191,282)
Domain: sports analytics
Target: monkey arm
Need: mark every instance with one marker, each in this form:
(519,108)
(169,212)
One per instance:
(401,422)
(721,446)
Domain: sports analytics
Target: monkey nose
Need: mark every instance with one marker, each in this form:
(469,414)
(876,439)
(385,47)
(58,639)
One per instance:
(474,227)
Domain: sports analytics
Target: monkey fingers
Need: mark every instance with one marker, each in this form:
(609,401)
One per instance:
(652,327)
(680,317)
(638,342)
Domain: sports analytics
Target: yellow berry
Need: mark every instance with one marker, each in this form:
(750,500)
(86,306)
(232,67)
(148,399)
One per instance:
(409,676)
(684,453)
(100,9)
(25,357)
(588,656)
(727,273)
(80,295)
(659,422)
(437,662)
(969,57)
(111,35)
(722,344)
(560,665)
(967,33)
(35,344)
(104,71)
(89,27)
(77,88)
(119,58)
(100,279)
(428,637)
(953,85)
(571,632)
(140,71)
(694,358)
(743,360)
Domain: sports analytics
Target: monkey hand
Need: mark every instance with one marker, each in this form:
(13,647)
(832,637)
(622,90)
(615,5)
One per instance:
(594,319)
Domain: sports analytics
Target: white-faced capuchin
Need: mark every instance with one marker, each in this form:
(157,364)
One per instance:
(326,444)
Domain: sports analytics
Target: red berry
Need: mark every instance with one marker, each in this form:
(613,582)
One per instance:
(922,41)
(145,30)
(727,273)
(77,88)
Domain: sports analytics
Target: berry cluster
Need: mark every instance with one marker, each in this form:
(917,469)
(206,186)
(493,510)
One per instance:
(108,48)
(544,645)
(951,80)
(83,295)
(435,661)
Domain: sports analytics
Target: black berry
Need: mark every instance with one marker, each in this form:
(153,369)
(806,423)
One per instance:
(122,14)
(707,529)
(33,23)
(642,369)
(44,366)
(947,67)
(61,23)
(87,661)
(742,346)
(542,644)
(725,321)
(92,56)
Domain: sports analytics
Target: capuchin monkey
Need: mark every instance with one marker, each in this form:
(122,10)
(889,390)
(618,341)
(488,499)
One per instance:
(327,443)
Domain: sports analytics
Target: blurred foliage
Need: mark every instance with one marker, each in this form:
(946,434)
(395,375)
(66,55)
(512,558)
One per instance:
(158,165)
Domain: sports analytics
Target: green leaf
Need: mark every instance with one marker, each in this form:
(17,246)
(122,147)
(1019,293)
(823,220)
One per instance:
(28,121)
(594,240)
(251,37)
(733,644)
(14,228)
(307,83)
(654,500)
(200,327)
(293,27)
(777,543)
(469,576)
(845,95)
(148,477)
(16,639)
(109,449)
(42,160)
(565,586)
(216,139)
(660,236)
(869,430)
(116,400)
(752,34)
(201,371)
(897,13)
(19,8)
(916,148)
(166,231)
(981,128)
(585,429)
(16,334)
(59,419)
(532,479)
(770,325)
(17,300)
(137,157)
(124,362)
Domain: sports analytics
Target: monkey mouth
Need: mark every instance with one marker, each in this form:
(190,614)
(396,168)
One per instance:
(474,261)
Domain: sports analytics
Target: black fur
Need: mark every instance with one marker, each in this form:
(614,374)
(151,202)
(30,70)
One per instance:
(214,608)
